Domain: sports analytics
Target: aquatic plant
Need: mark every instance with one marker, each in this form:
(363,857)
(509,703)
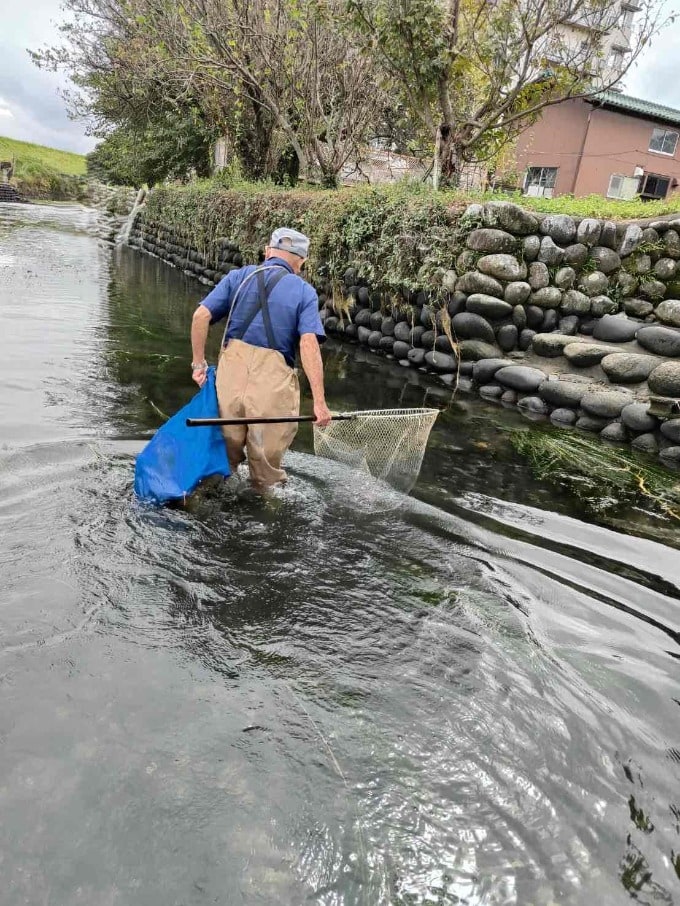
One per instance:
(593,470)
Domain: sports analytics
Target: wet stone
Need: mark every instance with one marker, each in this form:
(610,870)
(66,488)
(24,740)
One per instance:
(668,311)
(488,307)
(605,403)
(476,282)
(563,416)
(400,349)
(465,368)
(636,417)
(525,338)
(491,391)
(615,433)
(594,284)
(440,361)
(521,377)
(547,297)
(550,345)
(550,253)
(509,397)
(456,303)
(416,357)
(606,259)
(427,339)
(560,227)
(443,344)
(402,331)
(387,327)
(376,320)
(588,231)
(374,339)
(628,367)
(533,404)
(591,423)
(670,456)
(576,254)
(467,325)
(575,302)
(484,370)
(563,393)
(507,337)
(535,316)
(503,267)
(615,329)
(516,293)
(671,430)
(416,335)
(583,355)
(491,240)
(660,340)
(645,443)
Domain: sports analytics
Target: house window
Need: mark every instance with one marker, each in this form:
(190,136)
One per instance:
(664,141)
(540,181)
(654,186)
(623,187)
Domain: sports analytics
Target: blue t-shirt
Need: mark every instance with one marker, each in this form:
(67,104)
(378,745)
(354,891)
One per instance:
(293,307)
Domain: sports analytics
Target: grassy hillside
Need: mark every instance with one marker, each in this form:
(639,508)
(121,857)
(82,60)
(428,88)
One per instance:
(41,172)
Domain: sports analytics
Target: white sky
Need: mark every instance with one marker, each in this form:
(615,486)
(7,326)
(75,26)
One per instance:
(32,109)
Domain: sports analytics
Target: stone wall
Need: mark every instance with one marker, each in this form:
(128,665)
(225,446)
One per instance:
(573,320)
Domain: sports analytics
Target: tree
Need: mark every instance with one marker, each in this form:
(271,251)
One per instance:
(478,72)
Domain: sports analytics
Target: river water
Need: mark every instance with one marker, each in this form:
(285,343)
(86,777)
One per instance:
(468,698)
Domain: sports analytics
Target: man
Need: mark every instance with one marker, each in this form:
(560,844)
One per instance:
(269,310)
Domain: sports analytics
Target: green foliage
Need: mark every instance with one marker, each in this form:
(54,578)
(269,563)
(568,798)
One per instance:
(593,206)
(168,147)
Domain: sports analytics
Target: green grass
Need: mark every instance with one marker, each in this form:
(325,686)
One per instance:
(594,206)
(41,172)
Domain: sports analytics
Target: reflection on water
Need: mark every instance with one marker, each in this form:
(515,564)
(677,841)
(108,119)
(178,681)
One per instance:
(471,698)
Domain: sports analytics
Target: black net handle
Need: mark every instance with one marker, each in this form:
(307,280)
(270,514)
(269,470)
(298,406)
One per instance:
(265,420)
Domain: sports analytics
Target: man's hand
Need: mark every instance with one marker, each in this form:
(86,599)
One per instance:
(200,374)
(322,414)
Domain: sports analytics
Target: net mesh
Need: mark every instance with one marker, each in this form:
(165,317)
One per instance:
(388,444)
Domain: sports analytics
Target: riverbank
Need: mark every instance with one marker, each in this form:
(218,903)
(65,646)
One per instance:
(572,320)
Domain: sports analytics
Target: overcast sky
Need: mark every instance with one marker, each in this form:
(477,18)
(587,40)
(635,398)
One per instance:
(32,109)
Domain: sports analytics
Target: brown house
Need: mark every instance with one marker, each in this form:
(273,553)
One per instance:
(613,145)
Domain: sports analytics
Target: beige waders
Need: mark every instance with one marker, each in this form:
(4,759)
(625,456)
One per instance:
(255,382)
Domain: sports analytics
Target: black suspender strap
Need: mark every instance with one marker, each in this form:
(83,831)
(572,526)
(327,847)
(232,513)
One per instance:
(264,291)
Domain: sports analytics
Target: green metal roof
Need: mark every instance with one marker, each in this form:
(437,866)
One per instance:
(637,106)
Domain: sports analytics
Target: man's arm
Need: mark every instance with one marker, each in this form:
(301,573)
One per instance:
(199,334)
(310,355)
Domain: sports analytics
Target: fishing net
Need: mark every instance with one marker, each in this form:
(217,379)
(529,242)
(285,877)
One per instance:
(388,444)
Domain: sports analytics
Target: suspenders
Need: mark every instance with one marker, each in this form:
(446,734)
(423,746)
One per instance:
(261,304)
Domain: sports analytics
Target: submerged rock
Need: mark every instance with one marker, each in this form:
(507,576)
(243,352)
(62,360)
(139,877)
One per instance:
(533,404)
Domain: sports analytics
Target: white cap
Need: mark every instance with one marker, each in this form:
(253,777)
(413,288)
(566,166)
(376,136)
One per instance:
(290,241)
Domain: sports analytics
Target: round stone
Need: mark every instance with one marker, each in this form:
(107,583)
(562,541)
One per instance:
(637,308)
(490,240)
(615,433)
(547,297)
(503,267)
(519,317)
(476,282)
(416,357)
(645,443)
(640,264)
(603,305)
(632,238)
(507,337)
(387,327)
(539,275)
(469,326)
(606,259)
(484,370)
(550,345)
(575,302)
(562,393)
(560,227)
(440,361)
(605,403)
(449,280)
(665,268)
(400,349)
(628,368)
(652,289)
(626,283)
(426,316)
(510,217)
(402,331)
(473,350)
(670,456)
(563,417)
(671,244)
(550,253)
(376,320)
(363,318)
(565,277)
(386,344)
(671,430)
(531,246)
(568,325)
(608,235)
(582,355)
(550,319)
(533,404)
(668,311)
(516,293)
(594,284)
(588,231)
(443,344)
(491,391)
(427,339)
(636,417)
(374,339)
(591,423)
(520,377)
(525,338)
(488,307)
(416,335)
(661,340)
(576,254)
(535,316)
(615,329)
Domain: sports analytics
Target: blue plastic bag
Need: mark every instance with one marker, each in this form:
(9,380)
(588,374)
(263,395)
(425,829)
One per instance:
(178,458)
